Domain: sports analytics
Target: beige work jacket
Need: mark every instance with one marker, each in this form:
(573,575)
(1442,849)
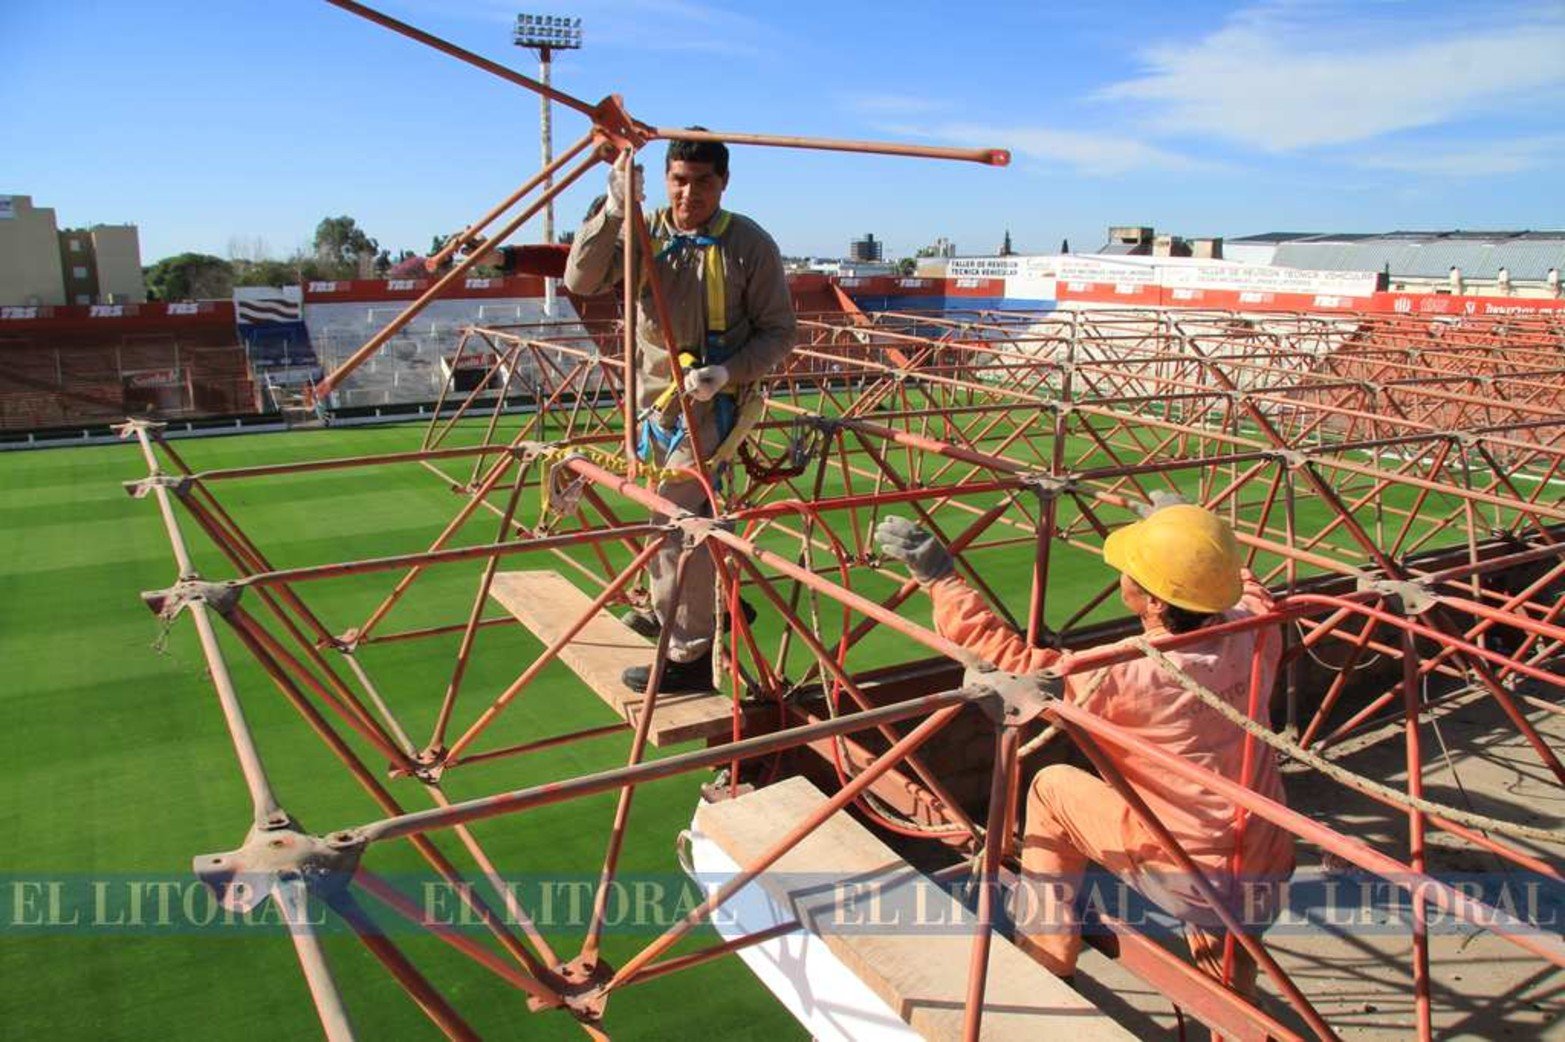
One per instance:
(760,319)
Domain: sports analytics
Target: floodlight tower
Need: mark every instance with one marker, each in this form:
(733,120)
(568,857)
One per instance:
(547,33)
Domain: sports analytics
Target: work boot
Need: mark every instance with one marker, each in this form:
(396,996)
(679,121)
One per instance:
(642,623)
(678,677)
(646,624)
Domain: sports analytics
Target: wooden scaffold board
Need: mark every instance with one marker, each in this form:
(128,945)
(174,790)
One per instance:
(547,604)
(893,928)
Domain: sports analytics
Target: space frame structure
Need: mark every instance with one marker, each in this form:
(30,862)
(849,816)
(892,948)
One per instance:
(1393,479)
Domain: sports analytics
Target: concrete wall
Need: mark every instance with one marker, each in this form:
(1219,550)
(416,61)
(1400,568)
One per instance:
(118,250)
(29,253)
(1526,289)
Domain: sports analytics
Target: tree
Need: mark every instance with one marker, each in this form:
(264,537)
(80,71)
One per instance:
(250,250)
(382,263)
(906,266)
(340,242)
(190,276)
(266,273)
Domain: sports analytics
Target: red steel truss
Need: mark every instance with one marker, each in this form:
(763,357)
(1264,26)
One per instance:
(1388,533)
(1393,479)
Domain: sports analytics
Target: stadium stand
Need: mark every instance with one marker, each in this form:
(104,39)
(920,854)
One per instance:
(73,365)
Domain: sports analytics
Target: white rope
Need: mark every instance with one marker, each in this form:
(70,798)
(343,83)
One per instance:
(1338,773)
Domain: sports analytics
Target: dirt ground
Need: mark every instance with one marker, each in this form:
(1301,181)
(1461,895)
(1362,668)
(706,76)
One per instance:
(1353,960)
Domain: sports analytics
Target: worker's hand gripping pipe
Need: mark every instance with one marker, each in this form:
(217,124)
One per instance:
(661,406)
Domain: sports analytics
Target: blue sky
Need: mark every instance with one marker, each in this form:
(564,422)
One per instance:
(233,128)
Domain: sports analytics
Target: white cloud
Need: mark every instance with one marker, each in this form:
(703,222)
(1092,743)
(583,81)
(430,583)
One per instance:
(1097,154)
(1284,77)
(1477,159)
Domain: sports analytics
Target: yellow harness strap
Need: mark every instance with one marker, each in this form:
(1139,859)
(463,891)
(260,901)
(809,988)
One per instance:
(714,273)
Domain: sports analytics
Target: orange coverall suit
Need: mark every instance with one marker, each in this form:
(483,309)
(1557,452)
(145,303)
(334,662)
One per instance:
(1073,816)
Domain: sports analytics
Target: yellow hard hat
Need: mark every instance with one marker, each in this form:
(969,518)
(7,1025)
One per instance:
(1184,554)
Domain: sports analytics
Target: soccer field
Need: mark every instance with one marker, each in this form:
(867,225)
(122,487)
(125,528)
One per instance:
(124,770)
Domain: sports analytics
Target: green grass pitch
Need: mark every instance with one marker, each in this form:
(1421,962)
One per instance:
(123,771)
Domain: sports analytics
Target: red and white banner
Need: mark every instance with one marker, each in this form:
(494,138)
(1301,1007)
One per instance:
(151,314)
(369,290)
(1186,282)
(1477,307)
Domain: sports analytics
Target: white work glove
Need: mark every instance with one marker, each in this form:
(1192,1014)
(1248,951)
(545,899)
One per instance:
(490,255)
(925,557)
(703,384)
(1158,500)
(614,205)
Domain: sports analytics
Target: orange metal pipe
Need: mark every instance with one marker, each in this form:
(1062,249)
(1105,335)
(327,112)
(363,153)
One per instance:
(986,156)
(461,54)
(1007,741)
(1444,896)
(467,234)
(847,794)
(336,376)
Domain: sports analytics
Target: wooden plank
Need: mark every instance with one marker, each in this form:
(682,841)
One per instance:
(894,928)
(547,603)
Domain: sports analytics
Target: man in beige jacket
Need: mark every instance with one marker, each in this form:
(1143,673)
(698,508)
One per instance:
(727,298)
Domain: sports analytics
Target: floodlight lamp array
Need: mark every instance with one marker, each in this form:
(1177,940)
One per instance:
(555,32)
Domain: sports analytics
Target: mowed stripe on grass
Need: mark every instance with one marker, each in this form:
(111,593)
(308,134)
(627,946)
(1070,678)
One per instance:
(121,769)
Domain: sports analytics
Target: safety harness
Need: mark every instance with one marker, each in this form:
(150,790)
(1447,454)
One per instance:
(735,411)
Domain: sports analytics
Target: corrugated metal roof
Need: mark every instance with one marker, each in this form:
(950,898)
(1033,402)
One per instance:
(1527,259)
(1269,238)
(1280,237)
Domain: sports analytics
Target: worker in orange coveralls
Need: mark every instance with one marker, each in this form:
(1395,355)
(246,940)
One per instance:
(1180,570)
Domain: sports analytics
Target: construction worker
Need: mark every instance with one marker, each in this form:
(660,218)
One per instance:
(723,283)
(1180,571)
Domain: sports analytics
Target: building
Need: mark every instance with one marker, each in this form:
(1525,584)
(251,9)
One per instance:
(1485,263)
(29,253)
(1140,240)
(1129,240)
(1260,249)
(41,265)
(116,249)
(941,247)
(102,265)
(866,249)
(78,266)
(849,268)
